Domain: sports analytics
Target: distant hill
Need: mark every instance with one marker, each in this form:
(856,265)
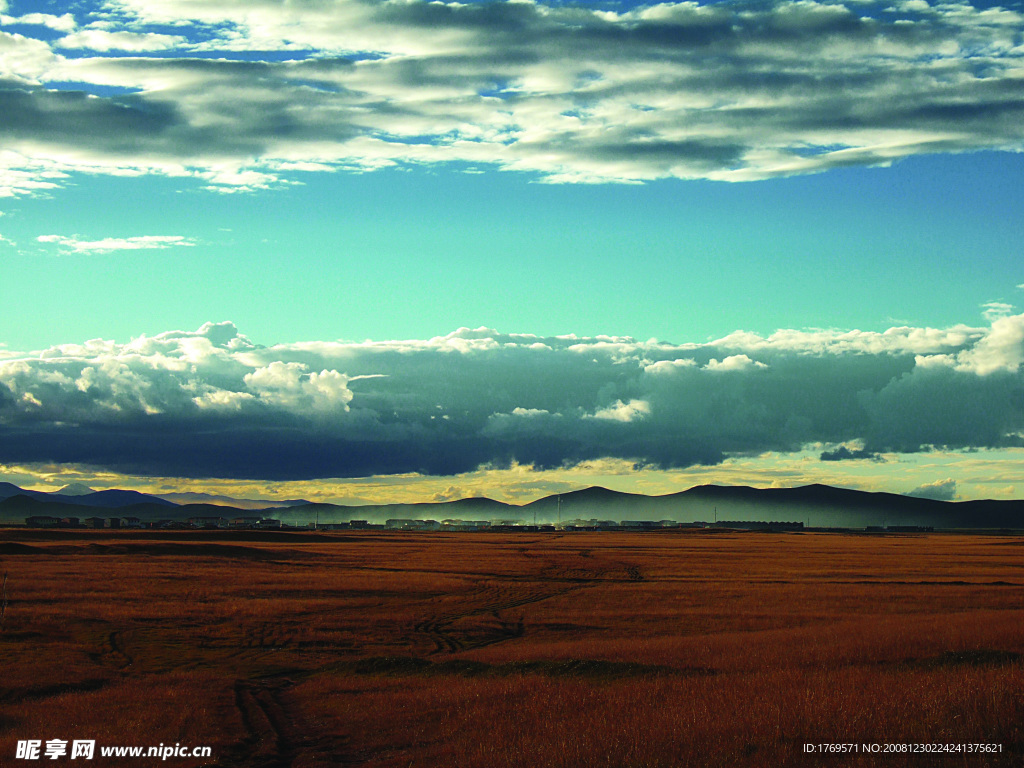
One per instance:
(115,499)
(813,505)
(458,509)
(17,508)
(75,489)
(9,489)
(191,497)
(112,499)
(83,495)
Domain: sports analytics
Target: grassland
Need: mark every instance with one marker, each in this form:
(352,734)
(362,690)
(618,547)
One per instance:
(526,650)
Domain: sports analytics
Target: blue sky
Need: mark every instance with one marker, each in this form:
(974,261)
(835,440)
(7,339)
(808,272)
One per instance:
(754,185)
(925,242)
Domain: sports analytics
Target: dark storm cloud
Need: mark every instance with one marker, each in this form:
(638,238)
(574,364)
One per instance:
(842,453)
(728,90)
(211,403)
(138,128)
(53,115)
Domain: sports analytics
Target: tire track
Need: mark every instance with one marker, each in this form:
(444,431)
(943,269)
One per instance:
(634,574)
(267,743)
(111,652)
(443,637)
(117,653)
(552,574)
(433,628)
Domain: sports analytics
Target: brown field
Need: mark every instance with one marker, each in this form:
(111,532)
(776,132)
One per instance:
(532,650)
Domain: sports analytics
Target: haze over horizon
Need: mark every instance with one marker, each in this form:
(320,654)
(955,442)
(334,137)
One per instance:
(364,250)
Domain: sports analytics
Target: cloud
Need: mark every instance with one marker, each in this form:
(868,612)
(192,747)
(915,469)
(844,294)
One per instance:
(997,309)
(63,23)
(842,453)
(1002,349)
(734,363)
(23,60)
(451,493)
(732,91)
(76,244)
(625,412)
(212,403)
(287,385)
(102,41)
(940,490)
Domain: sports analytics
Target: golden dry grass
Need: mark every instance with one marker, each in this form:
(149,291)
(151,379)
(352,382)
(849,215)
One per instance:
(491,650)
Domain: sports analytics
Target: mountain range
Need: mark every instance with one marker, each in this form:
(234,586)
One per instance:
(813,505)
(81,495)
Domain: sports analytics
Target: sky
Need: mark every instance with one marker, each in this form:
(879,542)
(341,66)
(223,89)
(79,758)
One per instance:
(366,251)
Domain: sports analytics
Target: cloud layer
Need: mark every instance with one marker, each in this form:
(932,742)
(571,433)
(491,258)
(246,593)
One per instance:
(211,403)
(245,93)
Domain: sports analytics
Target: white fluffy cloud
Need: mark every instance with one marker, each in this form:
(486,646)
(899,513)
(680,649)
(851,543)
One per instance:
(625,412)
(23,60)
(76,244)
(101,40)
(729,90)
(734,363)
(1002,349)
(288,385)
(211,402)
(63,23)
(940,490)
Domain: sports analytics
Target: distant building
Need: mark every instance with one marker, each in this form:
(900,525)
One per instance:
(458,526)
(94,522)
(410,524)
(42,521)
(207,522)
(760,525)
